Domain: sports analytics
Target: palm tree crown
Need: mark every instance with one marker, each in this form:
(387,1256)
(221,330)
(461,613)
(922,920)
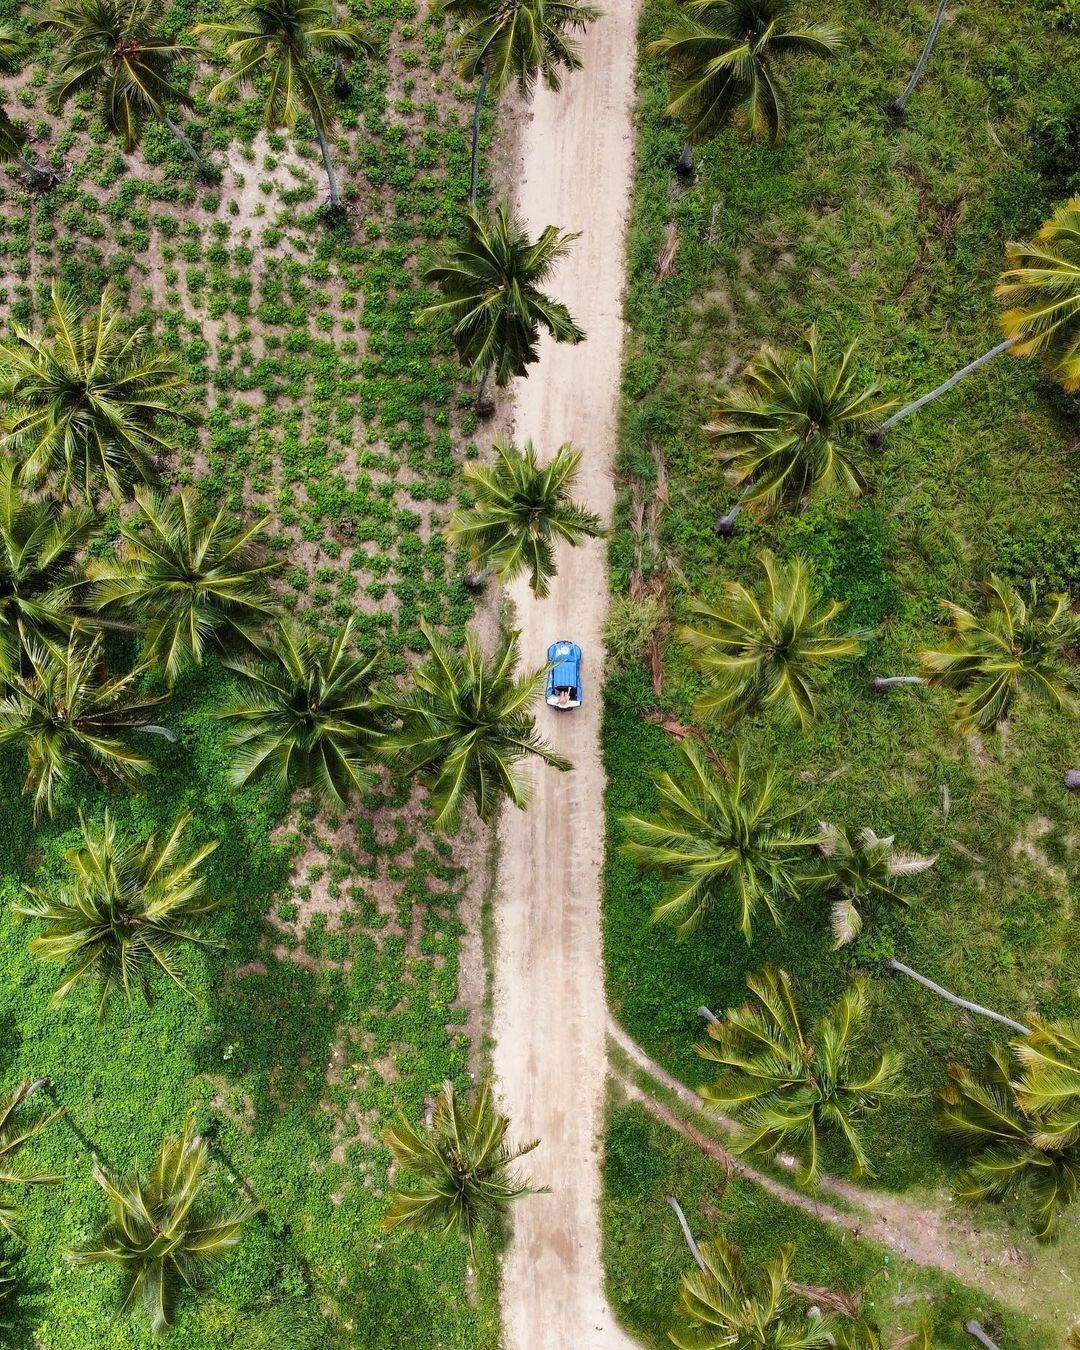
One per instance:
(522,510)
(732,1306)
(125,910)
(158,1231)
(461,1168)
(306,717)
(68,712)
(281,40)
(722,52)
(1022,1116)
(17,1128)
(39,542)
(85,399)
(859,865)
(795,428)
(517,41)
(789,1086)
(115,46)
(1012,644)
(278,43)
(719,837)
(769,648)
(492,306)
(465,725)
(1042,286)
(190,575)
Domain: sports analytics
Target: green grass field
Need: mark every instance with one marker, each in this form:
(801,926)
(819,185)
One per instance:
(333,998)
(645,1253)
(892,234)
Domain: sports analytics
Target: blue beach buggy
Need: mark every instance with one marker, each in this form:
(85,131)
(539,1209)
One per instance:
(564,677)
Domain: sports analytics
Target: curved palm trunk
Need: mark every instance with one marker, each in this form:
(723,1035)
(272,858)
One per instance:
(481,90)
(206,171)
(342,87)
(708,1015)
(686,1232)
(887,681)
(878,435)
(897,106)
(684,165)
(476,580)
(975,1329)
(328,165)
(956,1000)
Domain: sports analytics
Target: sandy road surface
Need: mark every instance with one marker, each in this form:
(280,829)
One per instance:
(550,1057)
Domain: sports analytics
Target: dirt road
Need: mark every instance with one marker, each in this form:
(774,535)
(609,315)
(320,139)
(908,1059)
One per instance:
(550,1057)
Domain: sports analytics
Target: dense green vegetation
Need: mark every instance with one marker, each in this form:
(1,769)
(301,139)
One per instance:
(645,1254)
(892,234)
(326,996)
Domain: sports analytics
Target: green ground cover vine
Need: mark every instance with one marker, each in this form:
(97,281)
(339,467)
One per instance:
(332,1000)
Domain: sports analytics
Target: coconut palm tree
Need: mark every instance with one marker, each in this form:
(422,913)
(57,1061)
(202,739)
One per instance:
(499,44)
(1009,645)
(85,399)
(279,44)
(1021,1115)
(125,910)
(731,1304)
(68,712)
(117,48)
(465,726)
(13,138)
(190,576)
(17,1128)
(40,540)
(522,510)
(492,306)
(767,648)
(719,836)
(163,1230)
(723,53)
(796,427)
(460,1168)
(789,1086)
(1042,286)
(859,865)
(306,717)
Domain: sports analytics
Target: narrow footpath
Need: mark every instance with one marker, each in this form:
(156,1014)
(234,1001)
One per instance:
(550,1014)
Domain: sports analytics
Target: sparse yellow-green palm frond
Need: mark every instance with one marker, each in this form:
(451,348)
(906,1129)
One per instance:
(797,428)
(719,837)
(127,907)
(460,1171)
(768,648)
(164,1231)
(1010,644)
(788,1087)
(1041,286)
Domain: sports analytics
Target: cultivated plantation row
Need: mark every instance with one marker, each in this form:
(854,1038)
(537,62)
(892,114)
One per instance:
(238,693)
